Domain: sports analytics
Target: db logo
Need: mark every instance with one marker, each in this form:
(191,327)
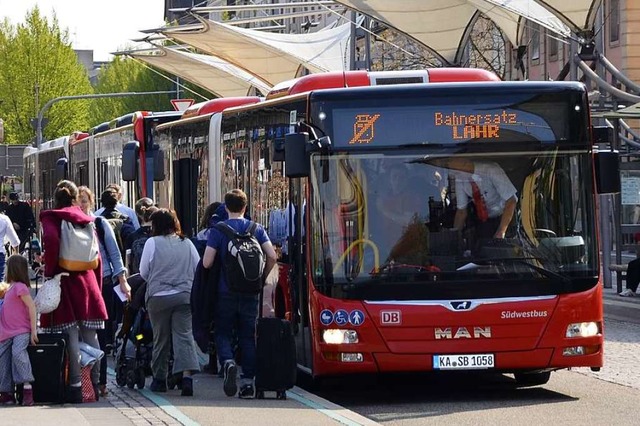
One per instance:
(390,317)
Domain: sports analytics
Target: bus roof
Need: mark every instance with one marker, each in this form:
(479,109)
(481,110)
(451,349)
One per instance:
(218,105)
(333,80)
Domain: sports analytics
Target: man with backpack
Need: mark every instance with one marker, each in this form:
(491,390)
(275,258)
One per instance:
(247,257)
(122,208)
(121,223)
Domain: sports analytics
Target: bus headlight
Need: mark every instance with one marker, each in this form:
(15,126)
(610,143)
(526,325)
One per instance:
(583,329)
(339,337)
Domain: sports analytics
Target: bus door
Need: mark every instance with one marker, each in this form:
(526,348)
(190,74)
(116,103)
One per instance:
(185,189)
(296,248)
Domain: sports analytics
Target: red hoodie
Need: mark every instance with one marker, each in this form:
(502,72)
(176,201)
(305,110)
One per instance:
(81,296)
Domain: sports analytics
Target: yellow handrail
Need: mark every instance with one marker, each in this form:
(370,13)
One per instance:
(376,254)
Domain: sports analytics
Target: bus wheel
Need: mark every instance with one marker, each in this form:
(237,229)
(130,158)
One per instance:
(532,379)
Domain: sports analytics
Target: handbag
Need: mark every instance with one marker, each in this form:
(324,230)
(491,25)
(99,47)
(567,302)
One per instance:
(48,297)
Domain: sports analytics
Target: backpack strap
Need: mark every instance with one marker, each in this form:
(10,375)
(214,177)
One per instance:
(226,229)
(251,230)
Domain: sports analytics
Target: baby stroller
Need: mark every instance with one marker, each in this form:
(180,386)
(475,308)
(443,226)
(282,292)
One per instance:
(135,346)
(134,352)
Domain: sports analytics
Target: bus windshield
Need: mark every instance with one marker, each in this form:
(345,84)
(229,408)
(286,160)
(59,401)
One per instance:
(405,224)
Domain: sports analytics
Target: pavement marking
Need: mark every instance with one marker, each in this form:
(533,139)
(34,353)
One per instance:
(168,408)
(329,409)
(163,404)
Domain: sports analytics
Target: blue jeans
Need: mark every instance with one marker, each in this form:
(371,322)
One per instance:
(237,312)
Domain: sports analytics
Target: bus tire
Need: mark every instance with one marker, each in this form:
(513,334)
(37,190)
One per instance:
(532,379)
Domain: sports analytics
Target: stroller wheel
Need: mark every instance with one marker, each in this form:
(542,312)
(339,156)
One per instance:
(140,377)
(121,376)
(131,379)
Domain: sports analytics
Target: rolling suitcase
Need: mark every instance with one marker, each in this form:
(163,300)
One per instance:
(275,356)
(49,366)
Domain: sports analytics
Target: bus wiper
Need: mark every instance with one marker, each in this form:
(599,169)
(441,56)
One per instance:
(523,261)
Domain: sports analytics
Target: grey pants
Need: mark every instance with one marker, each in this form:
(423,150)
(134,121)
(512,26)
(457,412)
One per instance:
(90,337)
(15,367)
(171,322)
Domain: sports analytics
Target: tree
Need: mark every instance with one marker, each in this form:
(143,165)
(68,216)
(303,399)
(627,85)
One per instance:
(39,64)
(127,75)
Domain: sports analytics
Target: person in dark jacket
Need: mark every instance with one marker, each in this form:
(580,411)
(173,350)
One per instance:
(22,218)
(81,310)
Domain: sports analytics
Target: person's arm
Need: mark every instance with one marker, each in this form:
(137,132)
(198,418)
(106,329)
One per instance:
(111,247)
(11,235)
(208,257)
(505,219)
(213,243)
(272,258)
(146,257)
(31,307)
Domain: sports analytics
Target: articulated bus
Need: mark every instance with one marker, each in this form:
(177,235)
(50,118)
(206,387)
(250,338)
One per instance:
(94,159)
(360,186)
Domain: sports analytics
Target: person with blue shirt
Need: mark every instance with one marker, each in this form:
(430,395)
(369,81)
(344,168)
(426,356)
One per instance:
(234,310)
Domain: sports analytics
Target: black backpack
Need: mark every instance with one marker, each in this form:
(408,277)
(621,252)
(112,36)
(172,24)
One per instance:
(244,260)
(121,225)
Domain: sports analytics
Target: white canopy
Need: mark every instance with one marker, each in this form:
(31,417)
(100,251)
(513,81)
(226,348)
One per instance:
(443,25)
(211,73)
(269,56)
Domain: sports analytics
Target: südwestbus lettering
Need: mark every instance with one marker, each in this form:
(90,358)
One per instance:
(525,314)
(472,126)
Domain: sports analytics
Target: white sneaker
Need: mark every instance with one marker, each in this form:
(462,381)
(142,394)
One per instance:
(627,293)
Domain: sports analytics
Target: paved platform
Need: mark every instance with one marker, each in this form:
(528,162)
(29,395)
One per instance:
(209,405)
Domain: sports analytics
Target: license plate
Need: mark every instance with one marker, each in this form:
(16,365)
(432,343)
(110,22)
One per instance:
(463,362)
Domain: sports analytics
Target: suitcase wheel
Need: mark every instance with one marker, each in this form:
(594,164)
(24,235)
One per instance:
(140,377)
(131,379)
(281,395)
(260,395)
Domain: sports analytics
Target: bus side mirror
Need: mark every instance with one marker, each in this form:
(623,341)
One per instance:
(158,164)
(295,155)
(130,161)
(607,165)
(61,169)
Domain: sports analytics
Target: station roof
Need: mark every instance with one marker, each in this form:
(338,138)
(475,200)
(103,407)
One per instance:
(271,57)
(209,72)
(443,26)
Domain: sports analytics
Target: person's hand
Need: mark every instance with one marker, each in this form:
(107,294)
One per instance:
(34,338)
(126,289)
(499,235)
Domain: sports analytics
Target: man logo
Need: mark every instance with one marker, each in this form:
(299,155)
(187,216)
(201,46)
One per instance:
(461,306)
(390,317)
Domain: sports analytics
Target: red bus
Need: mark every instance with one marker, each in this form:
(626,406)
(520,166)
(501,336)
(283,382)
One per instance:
(362,192)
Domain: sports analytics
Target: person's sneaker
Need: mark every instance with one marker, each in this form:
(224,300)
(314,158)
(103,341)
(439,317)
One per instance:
(7,398)
(27,397)
(627,293)
(187,386)
(230,375)
(246,391)
(158,385)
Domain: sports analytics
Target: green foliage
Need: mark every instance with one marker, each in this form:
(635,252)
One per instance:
(128,75)
(38,54)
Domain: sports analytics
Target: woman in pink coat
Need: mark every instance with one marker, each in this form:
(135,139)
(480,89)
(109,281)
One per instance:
(82,310)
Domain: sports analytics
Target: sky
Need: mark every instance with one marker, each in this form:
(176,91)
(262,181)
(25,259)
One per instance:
(101,25)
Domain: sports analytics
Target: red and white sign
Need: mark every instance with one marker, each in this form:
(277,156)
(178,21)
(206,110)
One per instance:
(181,104)
(390,317)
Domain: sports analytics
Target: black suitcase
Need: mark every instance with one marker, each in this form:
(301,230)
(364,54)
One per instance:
(49,366)
(275,357)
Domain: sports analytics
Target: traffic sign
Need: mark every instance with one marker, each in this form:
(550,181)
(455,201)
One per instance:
(181,104)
